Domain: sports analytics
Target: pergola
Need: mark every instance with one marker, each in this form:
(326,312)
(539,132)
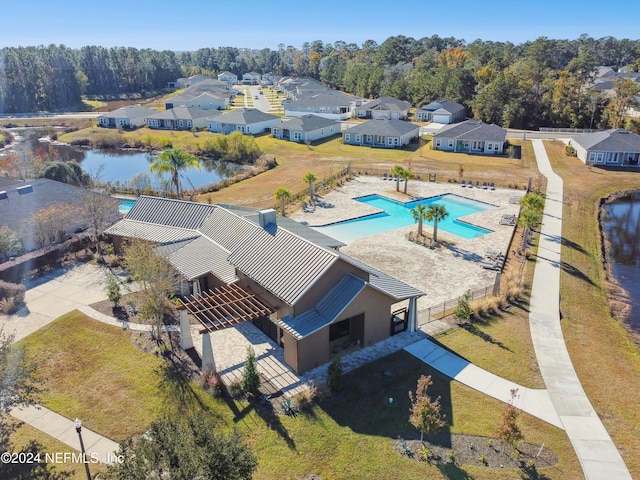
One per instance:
(225,306)
(216,309)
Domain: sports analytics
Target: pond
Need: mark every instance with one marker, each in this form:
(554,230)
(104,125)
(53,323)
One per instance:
(622,227)
(117,167)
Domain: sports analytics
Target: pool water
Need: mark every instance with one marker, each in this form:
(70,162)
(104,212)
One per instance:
(396,215)
(125,206)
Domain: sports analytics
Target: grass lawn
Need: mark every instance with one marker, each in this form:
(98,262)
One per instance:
(93,371)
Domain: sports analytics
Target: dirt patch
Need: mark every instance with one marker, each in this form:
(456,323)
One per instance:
(475,450)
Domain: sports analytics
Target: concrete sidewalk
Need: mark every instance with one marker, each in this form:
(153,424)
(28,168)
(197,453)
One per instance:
(97,447)
(533,401)
(597,453)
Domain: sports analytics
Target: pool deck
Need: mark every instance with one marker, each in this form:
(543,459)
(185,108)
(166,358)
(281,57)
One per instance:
(441,273)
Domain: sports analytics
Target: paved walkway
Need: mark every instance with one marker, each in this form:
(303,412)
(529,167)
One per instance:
(596,451)
(97,447)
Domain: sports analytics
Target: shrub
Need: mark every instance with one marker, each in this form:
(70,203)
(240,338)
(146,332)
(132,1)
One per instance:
(8,306)
(334,375)
(12,291)
(250,377)
(304,399)
(235,389)
(113,290)
(212,383)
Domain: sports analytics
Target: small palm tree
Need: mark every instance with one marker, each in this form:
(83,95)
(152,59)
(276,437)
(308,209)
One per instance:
(310,178)
(397,172)
(283,194)
(419,214)
(406,175)
(435,213)
(174,161)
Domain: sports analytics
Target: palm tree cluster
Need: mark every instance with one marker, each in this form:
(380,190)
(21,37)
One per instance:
(432,213)
(532,206)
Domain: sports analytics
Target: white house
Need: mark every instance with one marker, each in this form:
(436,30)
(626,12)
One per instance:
(608,148)
(228,77)
(130,116)
(245,120)
(441,111)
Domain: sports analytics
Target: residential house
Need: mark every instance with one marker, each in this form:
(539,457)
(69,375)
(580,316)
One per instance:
(228,77)
(329,104)
(270,78)
(381,133)
(245,120)
(306,129)
(307,296)
(617,147)
(251,78)
(470,136)
(130,116)
(21,200)
(384,107)
(179,118)
(208,95)
(188,82)
(441,111)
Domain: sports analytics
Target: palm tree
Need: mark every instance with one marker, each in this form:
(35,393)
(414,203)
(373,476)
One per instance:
(419,214)
(435,213)
(406,175)
(397,172)
(533,201)
(174,161)
(283,194)
(310,178)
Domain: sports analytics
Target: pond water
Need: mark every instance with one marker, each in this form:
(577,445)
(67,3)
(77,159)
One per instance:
(119,166)
(622,227)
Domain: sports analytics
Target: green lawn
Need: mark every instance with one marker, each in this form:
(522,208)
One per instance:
(93,371)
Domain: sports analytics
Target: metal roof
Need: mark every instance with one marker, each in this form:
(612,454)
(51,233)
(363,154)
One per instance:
(327,310)
(227,229)
(172,213)
(384,283)
(385,127)
(472,130)
(285,264)
(202,256)
(149,231)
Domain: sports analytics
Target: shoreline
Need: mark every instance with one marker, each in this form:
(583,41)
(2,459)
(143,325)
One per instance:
(617,296)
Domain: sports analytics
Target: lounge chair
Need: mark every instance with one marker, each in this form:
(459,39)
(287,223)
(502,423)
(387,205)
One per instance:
(493,186)
(484,185)
(463,183)
(470,184)
(477,184)
(384,176)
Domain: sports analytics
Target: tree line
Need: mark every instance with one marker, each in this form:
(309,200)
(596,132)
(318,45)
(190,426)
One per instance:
(539,83)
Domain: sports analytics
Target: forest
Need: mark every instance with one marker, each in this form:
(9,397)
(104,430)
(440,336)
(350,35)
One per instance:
(539,83)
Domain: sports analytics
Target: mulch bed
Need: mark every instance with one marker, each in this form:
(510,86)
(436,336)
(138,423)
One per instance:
(475,450)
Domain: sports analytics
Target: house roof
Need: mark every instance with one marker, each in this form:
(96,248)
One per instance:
(308,123)
(181,113)
(472,130)
(169,212)
(149,231)
(445,104)
(615,140)
(387,127)
(328,98)
(23,199)
(201,256)
(327,310)
(284,263)
(130,111)
(244,116)
(386,103)
(219,96)
(384,283)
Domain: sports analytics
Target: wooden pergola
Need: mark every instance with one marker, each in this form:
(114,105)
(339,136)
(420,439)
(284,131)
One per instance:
(225,306)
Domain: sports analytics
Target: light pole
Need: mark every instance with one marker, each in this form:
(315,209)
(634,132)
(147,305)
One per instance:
(78,424)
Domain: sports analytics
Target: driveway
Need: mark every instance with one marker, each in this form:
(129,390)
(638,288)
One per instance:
(55,294)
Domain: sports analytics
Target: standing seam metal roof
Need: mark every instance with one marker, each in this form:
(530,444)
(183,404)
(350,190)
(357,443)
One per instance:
(327,310)
(173,213)
(202,256)
(283,263)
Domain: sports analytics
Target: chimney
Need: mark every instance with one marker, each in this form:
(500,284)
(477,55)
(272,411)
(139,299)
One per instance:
(267,217)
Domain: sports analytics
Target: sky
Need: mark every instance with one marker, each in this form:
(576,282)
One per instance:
(184,26)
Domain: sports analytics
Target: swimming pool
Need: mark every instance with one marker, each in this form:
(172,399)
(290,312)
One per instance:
(396,215)
(125,205)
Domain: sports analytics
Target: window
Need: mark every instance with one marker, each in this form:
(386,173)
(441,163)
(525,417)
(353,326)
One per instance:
(339,330)
(437,142)
(346,137)
(450,144)
(357,137)
(490,146)
(297,136)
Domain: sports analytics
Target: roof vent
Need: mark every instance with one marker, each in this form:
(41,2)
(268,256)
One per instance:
(24,189)
(3,195)
(267,217)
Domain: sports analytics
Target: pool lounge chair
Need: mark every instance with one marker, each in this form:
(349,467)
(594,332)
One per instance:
(470,184)
(484,185)
(492,185)
(463,183)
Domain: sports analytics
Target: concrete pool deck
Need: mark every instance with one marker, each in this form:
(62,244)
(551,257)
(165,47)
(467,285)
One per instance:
(442,273)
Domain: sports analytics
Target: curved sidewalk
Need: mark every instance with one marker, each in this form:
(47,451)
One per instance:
(595,450)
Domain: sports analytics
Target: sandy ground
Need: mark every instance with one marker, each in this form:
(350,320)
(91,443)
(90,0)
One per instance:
(442,273)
